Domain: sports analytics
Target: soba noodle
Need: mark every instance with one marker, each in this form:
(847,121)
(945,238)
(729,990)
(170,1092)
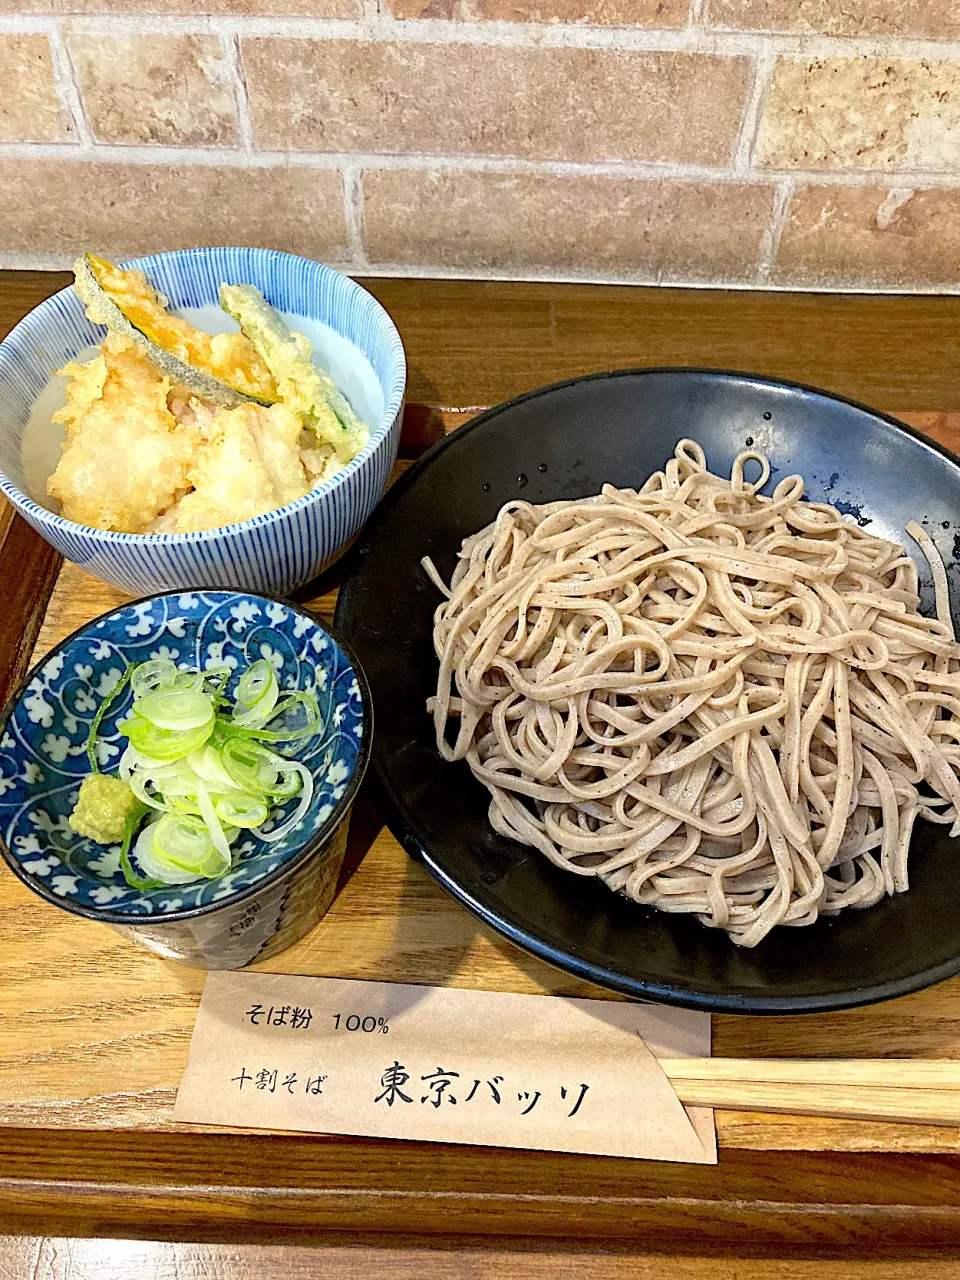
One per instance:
(717,702)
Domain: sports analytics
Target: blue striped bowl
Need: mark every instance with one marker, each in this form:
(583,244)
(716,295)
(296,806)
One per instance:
(271,554)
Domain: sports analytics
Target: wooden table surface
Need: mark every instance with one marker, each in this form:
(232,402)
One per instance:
(469,344)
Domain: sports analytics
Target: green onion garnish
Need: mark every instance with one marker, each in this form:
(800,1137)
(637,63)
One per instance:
(102,710)
(203,774)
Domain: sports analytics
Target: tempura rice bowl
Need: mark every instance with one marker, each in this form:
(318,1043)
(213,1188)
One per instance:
(273,553)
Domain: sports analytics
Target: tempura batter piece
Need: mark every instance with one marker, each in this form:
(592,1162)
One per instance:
(321,464)
(125,458)
(248,465)
(83,390)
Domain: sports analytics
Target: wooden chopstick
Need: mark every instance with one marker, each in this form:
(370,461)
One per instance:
(901,1073)
(920,1092)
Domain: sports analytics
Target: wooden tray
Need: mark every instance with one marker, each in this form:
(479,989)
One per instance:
(94,1032)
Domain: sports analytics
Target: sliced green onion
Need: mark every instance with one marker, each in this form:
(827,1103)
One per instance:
(310,723)
(177,709)
(149,799)
(155,865)
(217,678)
(179,788)
(133,760)
(213,867)
(133,880)
(187,810)
(188,680)
(205,773)
(240,810)
(256,717)
(257,695)
(102,710)
(231,729)
(180,843)
(287,785)
(252,766)
(164,745)
(206,764)
(158,673)
(209,815)
(256,683)
(297,816)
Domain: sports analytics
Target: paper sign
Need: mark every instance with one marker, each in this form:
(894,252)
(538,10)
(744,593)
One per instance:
(437,1064)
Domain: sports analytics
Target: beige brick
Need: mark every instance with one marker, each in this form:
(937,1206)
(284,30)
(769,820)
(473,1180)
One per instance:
(862,113)
(60,206)
(606,13)
(171,89)
(30,110)
(526,222)
(870,237)
(566,104)
(925,19)
(306,8)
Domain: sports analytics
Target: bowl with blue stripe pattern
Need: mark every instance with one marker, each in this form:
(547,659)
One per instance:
(354,339)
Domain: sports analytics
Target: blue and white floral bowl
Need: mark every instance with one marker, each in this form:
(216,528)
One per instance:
(354,340)
(275,892)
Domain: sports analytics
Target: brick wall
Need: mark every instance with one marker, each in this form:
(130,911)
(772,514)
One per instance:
(789,143)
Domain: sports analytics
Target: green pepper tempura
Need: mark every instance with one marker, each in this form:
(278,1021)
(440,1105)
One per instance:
(302,386)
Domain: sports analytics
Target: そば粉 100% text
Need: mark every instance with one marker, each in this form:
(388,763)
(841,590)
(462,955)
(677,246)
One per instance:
(354,1022)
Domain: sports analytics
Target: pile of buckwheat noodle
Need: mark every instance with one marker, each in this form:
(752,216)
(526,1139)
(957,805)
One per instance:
(719,703)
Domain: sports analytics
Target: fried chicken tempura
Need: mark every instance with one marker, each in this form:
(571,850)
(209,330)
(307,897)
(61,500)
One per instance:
(248,464)
(125,459)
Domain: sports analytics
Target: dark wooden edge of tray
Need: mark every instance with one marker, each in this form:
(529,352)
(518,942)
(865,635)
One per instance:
(247,1188)
(290,1188)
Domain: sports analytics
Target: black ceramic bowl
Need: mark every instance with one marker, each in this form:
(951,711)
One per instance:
(566,441)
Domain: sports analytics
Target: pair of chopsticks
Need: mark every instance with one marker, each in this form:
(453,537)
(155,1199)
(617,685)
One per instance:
(921,1092)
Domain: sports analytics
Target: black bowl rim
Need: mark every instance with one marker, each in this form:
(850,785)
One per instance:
(660,992)
(282,872)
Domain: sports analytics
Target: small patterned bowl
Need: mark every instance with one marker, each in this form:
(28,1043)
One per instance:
(275,892)
(353,338)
